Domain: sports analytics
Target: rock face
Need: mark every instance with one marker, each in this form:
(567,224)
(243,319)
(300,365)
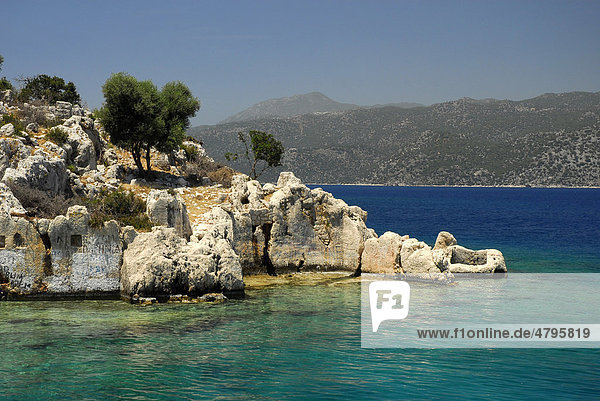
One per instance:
(161,263)
(168,209)
(84,144)
(23,257)
(8,203)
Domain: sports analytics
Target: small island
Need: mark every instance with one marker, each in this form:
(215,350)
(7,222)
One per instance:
(79,221)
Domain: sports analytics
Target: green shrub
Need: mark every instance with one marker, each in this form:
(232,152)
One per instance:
(119,205)
(49,89)
(191,152)
(57,135)
(53,122)
(5,84)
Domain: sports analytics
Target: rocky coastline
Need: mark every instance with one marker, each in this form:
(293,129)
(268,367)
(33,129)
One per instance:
(205,237)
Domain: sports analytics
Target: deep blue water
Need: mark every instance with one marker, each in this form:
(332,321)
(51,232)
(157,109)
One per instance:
(303,342)
(537,229)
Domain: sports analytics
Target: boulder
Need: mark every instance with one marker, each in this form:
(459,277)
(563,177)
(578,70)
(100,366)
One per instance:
(40,171)
(32,127)
(11,151)
(6,96)
(161,263)
(382,255)
(7,130)
(167,208)
(417,257)
(110,157)
(444,240)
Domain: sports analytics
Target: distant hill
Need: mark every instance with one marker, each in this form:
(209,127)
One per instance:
(550,140)
(290,106)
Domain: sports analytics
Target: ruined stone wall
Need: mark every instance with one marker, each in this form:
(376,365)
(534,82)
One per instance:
(63,256)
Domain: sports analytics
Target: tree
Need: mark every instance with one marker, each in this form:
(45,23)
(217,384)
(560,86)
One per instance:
(138,116)
(49,89)
(259,147)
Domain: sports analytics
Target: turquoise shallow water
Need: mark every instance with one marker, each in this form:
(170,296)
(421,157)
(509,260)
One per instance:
(303,342)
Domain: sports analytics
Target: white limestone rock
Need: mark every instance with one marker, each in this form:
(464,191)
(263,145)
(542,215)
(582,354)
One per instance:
(382,255)
(84,259)
(40,171)
(168,209)
(8,203)
(417,257)
(161,264)
(7,130)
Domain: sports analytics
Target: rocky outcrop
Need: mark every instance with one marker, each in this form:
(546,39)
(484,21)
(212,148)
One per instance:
(9,205)
(168,209)
(84,145)
(457,259)
(161,264)
(291,229)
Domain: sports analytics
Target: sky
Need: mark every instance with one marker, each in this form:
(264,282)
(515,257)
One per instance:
(232,54)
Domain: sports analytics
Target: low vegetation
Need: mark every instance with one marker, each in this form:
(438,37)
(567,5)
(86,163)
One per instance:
(57,135)
(120,205)
(39,203)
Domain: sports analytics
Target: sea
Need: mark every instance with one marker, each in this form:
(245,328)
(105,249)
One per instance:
(303,341)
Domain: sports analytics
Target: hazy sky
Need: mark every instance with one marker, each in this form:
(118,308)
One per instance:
(233,54)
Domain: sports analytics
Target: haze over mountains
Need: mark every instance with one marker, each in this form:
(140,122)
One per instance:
(312,102)
(549,140)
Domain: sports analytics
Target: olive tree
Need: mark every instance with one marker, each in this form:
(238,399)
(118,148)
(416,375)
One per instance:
(261,150)
(138,116)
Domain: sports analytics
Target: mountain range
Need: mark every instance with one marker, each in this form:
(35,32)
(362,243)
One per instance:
(549,140)
(313,102)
